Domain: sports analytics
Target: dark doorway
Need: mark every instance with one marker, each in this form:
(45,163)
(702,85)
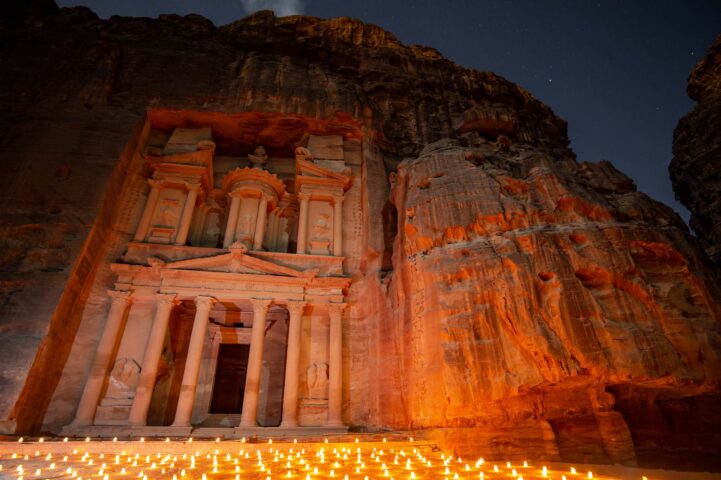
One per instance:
(229,385)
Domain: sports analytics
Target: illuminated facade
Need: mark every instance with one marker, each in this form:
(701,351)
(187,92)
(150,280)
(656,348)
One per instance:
(228,301)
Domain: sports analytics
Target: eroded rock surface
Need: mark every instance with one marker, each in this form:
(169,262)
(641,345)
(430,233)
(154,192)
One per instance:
(696,166)
(507,298)
(534,291)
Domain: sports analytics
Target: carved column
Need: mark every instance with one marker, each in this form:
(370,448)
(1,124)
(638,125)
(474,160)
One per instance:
(150,204)
(197,225)
(335,365)
(192,361)
(149,369)
(338,226)
(187,216)
(260,223)
(255,363)
(292,359)
(232,220)
(303,223)
(103,359)
(273,223)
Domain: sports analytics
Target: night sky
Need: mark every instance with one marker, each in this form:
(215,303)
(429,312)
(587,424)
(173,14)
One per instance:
(615,70)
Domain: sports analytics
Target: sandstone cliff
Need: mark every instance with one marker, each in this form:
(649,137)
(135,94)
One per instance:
(696,166)
(534,291)
(514,301)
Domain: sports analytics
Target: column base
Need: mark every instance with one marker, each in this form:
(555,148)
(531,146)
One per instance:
(126,431)
(281,431)
(79,423)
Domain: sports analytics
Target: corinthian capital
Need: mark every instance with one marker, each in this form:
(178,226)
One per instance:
(167,299)
(295,307)
(260,305)
(120,297)
(335,310)
(193,186)
(205,302)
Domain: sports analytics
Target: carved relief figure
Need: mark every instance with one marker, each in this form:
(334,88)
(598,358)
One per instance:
(317,380)
(302,153)
(322,226)
(258,157)
(245,223)
(123,379)
(212,231)
(168,217)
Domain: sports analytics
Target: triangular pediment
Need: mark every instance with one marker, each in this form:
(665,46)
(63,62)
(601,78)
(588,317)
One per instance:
(237,261)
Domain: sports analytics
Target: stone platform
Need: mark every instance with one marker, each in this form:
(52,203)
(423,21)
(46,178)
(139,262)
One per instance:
(227,433)
(363,457)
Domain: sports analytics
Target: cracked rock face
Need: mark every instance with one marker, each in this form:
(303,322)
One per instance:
(508,299)
(696,165)
(535,291)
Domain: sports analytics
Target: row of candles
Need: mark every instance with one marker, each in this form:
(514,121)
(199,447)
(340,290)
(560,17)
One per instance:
(307,461)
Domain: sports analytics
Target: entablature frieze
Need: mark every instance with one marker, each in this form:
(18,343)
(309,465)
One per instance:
(249,180)
(319,191)
(186,183)
(254,190)
(189,284)
(183,176)
(138,253)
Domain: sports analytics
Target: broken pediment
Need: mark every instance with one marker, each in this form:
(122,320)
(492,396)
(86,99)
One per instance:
(326,147)
(184,140)
(312,173)
(238,261)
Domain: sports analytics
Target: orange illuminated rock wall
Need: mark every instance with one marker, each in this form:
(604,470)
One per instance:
(532,291)
(505,298)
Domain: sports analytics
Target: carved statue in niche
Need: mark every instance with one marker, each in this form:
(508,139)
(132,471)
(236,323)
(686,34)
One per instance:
(317,380)
(245,222)
(321,227)
(302,153)
(123,379)
(258,157)
(168,217)
(212,231)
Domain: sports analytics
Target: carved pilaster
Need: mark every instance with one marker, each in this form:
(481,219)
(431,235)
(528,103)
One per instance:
(150,205)
(302,241)
(338,226)
(335,364)
(187,215)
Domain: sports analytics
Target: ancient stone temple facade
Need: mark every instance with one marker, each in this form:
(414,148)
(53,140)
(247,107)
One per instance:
(227,308)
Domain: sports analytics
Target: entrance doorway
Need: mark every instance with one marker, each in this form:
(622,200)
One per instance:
(229,384)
